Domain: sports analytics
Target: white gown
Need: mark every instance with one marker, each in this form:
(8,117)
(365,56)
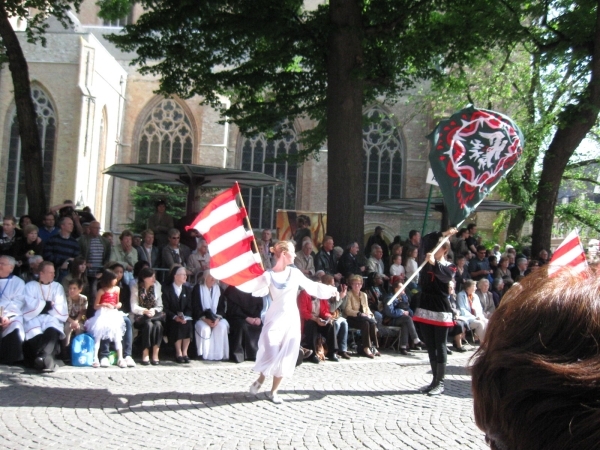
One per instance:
(11,301)
(36,295)
(279,340)
(212,343)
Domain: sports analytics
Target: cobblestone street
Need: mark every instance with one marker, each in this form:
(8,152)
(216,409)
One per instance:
(352,404)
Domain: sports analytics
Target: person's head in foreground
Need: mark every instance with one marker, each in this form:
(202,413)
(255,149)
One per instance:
(536,378)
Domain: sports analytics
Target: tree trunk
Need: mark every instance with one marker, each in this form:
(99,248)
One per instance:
(575,122)
(345,201)
(515,225)
(31,148)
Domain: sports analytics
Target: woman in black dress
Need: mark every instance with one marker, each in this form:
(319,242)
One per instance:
(177,304)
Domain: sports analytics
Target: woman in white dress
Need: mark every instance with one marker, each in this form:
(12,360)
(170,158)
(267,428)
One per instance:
(211,328)
(280,337)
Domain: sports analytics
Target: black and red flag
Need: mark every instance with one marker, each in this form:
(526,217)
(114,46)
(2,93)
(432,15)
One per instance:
(471,152)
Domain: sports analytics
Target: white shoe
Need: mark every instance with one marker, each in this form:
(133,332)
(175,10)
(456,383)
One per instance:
(104,362)
(130,362)
(255,387)
(122,364)
(274,397)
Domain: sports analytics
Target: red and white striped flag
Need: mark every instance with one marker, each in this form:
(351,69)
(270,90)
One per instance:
(569,254)
(232,261)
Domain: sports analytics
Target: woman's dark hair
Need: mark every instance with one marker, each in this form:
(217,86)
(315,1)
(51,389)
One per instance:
(146,272)
(74,268)
(536,377)
(407,253)
(138,266)
(114,265)
(22,219)
(106,278)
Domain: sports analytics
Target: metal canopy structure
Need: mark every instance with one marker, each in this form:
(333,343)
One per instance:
(192,176)
(437,203)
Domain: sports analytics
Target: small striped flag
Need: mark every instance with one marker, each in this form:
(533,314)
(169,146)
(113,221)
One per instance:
(232,260)
(569,254)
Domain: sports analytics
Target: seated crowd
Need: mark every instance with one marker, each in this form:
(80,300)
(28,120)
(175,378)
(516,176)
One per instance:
(64,279)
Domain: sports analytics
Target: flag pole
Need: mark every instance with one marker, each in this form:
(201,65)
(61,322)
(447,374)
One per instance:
(416,272)
(254,244)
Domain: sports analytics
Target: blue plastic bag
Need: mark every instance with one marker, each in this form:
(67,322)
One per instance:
(82,350)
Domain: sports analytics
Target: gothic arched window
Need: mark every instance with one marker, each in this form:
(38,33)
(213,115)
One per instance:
(382,158)
(16,200)
(166,135)
(258,155)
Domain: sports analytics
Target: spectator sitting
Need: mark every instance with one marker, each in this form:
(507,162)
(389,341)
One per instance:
(10,238)
(48,230)
(414,240)
(109,237)
(471,239)
(543,257)
(485,297)
(410,264)
(302,231)
(503,271)
(532,266)
(304,260)
(400,313)
(199,259)
(30,245)
(375,262)
(324,259)
(44,320)
(147,251)
(174,252)
(397,269)
(264,248)
(340,324)
(316,321)
(147,307)
(211,328)
(520,269)
(137,268)
(460,323)
(493,261)
(377,238)
(479,267)
(471,309)
(76,306)
(177,303)
(33,273)
(497,291)
(348,264)
(536,378)
(97,252)
(125,254)
(11,320)
(77,271)
(375,294)
(244,317)
(62,248)
(360,316)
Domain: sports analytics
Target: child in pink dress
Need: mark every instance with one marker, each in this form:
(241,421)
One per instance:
(108,322)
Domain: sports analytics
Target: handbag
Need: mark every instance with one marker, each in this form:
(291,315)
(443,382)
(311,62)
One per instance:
(141,319)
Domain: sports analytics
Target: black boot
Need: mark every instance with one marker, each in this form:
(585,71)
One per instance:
(426,389)
(439,388)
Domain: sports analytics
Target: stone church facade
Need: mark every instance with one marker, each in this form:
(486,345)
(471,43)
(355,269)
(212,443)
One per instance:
(96,110)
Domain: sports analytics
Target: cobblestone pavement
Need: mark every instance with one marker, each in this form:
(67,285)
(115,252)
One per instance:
(351,404)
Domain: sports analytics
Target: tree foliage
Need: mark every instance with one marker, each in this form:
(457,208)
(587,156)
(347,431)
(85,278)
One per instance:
(144,197)
(277,61)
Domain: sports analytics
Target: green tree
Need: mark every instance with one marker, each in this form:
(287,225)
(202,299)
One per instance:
(275,60)
(34,12)
(547,79)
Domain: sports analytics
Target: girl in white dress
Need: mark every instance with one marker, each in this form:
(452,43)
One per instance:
(280,337)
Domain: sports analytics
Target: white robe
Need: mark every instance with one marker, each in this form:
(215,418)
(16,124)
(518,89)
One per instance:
(11,301)
(35,296)
(212,343)
(279,340)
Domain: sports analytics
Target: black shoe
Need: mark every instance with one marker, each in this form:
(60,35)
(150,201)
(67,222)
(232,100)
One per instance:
(306,353)
(186,359)
(344,355)
(449,351)
(405,352)
(420,345)
(155,362)
(313,359)
(333,358)
(179,359)
(145,363)
(459,349)
(38,363)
